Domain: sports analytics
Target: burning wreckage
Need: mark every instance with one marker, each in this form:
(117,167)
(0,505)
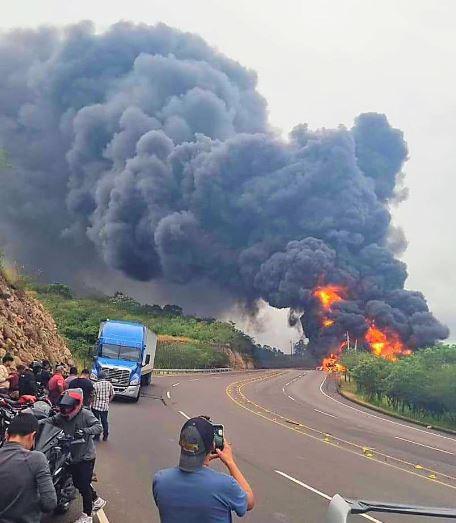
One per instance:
(384,343)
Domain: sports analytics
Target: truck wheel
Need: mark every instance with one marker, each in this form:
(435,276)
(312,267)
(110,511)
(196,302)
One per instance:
(135,399)
(146,379)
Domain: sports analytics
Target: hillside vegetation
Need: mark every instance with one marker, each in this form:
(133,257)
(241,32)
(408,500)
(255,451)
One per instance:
(421,386)
(184,341)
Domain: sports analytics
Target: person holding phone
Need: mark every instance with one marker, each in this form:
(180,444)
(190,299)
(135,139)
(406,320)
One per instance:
(193,492)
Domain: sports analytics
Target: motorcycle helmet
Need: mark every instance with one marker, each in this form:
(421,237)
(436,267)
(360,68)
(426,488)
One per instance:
(26,399)
(71,403)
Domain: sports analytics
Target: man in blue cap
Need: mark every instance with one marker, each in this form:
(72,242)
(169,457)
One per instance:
(195,493)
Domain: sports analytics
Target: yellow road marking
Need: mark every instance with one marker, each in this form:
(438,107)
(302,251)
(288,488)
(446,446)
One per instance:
(278,419)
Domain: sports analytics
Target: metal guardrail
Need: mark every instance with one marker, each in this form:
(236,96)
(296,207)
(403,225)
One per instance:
(192,371)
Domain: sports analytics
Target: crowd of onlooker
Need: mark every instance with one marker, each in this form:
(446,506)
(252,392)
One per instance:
(191,492)
(80,410)
(38,379)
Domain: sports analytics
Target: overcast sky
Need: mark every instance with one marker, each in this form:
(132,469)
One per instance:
(323,63)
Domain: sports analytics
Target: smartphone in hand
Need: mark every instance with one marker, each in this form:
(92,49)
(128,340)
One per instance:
(219,439)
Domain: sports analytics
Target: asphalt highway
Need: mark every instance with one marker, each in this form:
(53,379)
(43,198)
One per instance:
(296,440)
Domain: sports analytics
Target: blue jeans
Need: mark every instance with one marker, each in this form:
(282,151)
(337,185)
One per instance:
(102,415)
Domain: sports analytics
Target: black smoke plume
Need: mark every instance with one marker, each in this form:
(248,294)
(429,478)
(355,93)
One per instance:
(145,149)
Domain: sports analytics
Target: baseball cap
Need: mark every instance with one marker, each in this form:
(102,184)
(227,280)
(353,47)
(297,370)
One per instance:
(196,440)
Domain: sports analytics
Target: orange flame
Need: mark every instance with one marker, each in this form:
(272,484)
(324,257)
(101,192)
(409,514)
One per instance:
(331,363)
(327,322)
(329,295)
(385,343)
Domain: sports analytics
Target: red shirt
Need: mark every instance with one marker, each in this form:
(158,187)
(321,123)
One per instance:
(56,386)
(14,382)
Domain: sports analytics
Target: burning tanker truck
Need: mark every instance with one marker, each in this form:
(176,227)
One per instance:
(336,315)
(151,155)
(383,343)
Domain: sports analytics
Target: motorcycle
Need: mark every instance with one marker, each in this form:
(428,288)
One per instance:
(50,440)
(8,410)
(7,413)
(56,446)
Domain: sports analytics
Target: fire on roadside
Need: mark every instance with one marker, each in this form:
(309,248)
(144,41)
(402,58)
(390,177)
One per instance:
(332,362)
(385,343)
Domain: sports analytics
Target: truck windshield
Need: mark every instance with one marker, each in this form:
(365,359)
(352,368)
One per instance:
(119,352)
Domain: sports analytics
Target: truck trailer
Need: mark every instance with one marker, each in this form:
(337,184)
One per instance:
(125,352)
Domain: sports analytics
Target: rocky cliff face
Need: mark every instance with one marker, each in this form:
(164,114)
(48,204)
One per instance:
(238,361)
(27,330)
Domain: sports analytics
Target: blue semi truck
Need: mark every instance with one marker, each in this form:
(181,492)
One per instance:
(125,352)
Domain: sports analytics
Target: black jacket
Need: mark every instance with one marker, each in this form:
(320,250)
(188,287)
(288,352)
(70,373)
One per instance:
(88,424)
(27,384)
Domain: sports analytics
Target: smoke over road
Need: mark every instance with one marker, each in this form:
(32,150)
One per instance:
(146,149)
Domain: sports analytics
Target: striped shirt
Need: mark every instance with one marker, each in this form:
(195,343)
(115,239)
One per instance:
(103,394)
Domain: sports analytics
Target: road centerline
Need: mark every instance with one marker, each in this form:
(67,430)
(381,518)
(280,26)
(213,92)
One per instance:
(325,413)
(378,457)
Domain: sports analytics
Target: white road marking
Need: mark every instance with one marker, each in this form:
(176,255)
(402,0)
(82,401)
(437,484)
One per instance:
(102,516)
(319,492)
(379,417)
(194,379)
(292,399)
(325,413)
(183,414)
(291,381)
(175,384)
(427,446)
(168,395)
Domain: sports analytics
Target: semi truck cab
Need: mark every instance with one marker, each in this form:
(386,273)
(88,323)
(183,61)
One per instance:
(125,352)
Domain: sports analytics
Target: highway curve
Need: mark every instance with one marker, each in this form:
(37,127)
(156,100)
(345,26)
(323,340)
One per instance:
(296,440)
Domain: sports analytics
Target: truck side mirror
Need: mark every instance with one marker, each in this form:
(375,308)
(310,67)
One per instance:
(147,360)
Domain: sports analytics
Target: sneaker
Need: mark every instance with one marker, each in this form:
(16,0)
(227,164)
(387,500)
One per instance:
(98,503)
(84,518)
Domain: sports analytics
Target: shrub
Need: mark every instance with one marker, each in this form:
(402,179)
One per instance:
(422,384)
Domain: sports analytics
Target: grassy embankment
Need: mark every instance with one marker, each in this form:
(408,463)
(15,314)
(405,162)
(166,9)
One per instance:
(421,387)
(184,341)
